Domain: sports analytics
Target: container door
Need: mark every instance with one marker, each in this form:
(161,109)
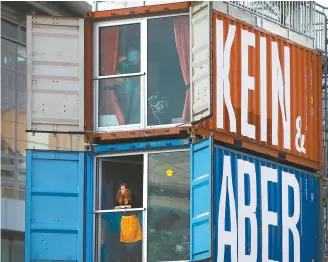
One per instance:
(200,40)
(55,74)
(201,200)
(54,206)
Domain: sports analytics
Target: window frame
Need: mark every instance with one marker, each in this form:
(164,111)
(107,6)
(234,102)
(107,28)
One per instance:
(98,78)
(97,167)
(143,74)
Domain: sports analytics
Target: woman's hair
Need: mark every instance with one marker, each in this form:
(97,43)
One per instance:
(127,194)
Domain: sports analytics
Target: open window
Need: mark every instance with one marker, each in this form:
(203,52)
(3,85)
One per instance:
(158,213)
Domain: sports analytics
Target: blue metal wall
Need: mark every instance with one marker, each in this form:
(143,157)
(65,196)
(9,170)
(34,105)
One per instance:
(235,238)
(54,206)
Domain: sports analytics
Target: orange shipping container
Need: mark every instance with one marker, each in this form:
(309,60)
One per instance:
(266,93)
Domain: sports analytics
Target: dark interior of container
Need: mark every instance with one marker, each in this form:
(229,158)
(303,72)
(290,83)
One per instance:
(115,171)
(167,206)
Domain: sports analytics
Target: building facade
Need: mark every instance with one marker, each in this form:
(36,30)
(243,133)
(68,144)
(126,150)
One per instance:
(14,139)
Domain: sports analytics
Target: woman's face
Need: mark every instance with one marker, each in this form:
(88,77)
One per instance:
(122,189)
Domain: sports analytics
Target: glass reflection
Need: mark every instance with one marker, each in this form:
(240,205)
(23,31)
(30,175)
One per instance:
(168,207)
(119,49)
(119,101)
(168,77)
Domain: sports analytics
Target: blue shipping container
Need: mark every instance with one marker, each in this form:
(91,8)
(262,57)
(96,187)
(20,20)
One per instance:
(264,211)
(242,208)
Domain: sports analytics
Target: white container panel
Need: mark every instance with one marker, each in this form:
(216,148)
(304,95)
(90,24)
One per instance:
(55,82)
(200,40)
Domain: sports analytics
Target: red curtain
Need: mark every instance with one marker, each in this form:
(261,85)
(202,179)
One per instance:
(182,42)
(108,65)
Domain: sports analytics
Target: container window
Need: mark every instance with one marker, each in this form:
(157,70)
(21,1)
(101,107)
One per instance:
(119,98)
(143,73)
(168,207)
(119,205)
(168,70)
(158,200)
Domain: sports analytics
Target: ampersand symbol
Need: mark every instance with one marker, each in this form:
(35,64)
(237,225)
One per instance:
(299,139)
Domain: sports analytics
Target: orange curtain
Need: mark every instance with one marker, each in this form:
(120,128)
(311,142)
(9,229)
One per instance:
(182,42)
(108,65)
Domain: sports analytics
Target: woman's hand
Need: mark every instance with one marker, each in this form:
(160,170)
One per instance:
(117,207)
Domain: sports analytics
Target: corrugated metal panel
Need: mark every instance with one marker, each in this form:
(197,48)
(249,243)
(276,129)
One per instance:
(201,200)
(200,42)
(55,74)
(54,206)
(264,210)
(267,92)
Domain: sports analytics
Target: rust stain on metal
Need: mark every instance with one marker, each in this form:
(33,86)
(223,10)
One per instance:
(135,134)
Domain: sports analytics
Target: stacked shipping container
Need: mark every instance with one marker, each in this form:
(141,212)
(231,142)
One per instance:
(250,89)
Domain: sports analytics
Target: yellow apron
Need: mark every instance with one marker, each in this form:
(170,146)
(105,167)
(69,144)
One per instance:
(130,229)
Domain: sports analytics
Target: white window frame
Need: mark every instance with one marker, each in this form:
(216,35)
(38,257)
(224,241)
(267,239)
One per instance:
(97,190)
(143,74)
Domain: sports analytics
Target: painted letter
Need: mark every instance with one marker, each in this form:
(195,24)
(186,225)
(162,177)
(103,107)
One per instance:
(263,81)
(247,82)
(247,211)
(223,69)
(299,138)
(268,217)
(289,223)
(227,237)
(279,94)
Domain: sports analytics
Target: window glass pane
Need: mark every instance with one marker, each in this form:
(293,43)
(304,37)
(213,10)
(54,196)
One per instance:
(119,49)
(21,58)
(23,34)
(119,101)
(18,251)
(168,207)
(168,70)
(119,236)
(5,250)
(7,173)
(9,29)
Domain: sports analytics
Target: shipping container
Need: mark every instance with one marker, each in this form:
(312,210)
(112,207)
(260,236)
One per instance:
(190,201)
(150,72)
(266,93)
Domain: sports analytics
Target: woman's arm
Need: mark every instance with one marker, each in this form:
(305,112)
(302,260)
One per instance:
(128,204)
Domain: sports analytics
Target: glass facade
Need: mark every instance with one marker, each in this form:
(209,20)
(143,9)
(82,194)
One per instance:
(14,140)
(12,247)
